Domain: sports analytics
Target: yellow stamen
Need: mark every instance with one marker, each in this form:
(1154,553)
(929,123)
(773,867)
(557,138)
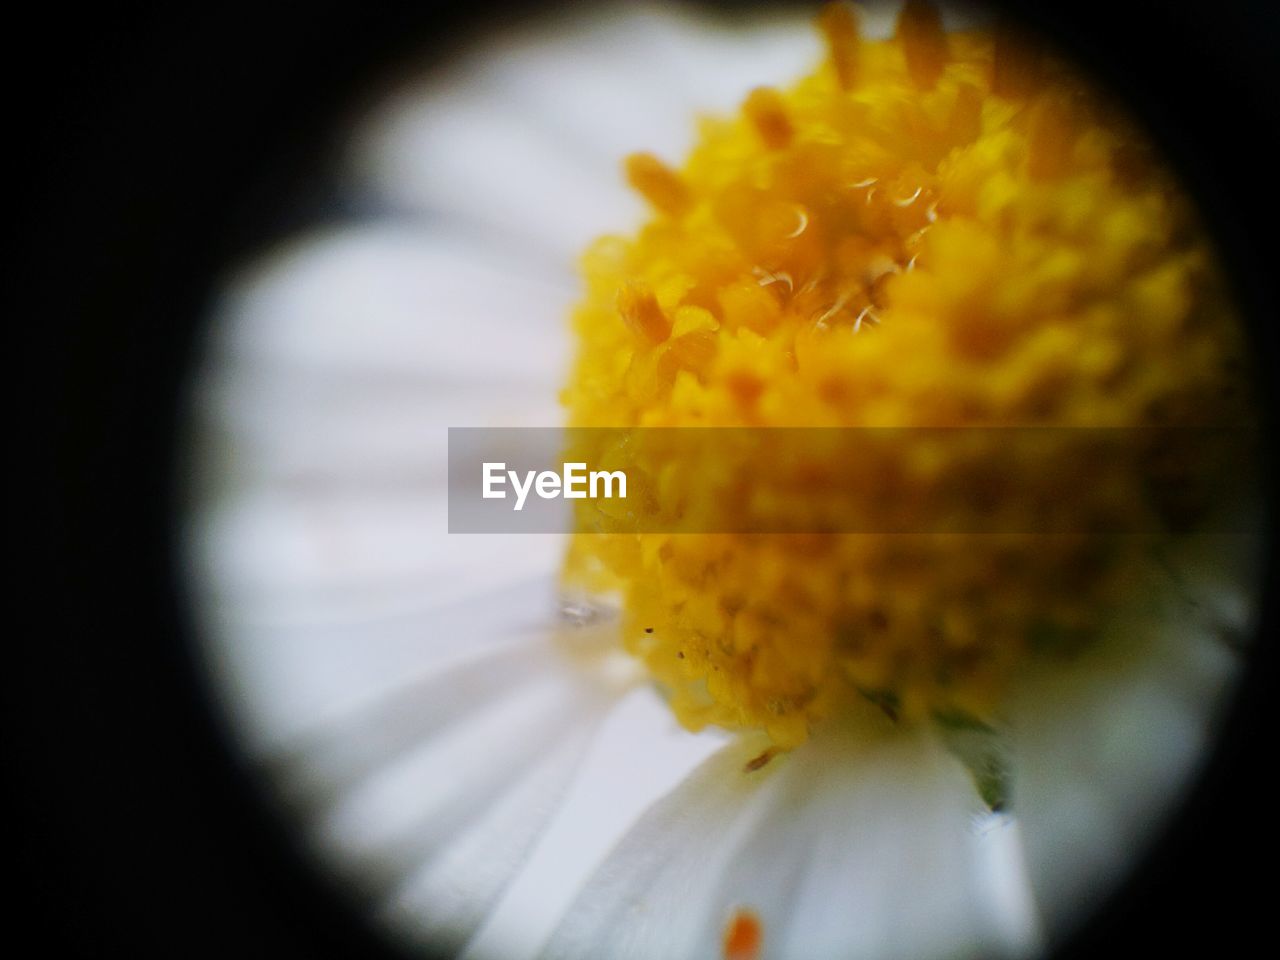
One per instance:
(839,25)
(768,113)
(640,311)
(657,183)
(923,42)
(843,255)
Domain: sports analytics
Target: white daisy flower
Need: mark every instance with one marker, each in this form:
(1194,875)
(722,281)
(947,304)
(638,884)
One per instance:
(483,763)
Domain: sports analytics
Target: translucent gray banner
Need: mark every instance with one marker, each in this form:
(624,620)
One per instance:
(970,480)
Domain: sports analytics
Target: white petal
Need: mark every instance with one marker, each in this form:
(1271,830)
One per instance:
(415,799)
(1104,747)
(846,848)
(430,796)
(523,138)
(395,302)
(281,551)
(639,755)
(1004,883)
(319,539)
(290,673)
(635,78)
(444,901)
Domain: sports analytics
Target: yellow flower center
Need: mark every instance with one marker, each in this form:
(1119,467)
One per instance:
(935,230)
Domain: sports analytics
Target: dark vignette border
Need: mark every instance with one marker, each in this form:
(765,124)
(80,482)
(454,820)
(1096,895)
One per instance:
(163,143)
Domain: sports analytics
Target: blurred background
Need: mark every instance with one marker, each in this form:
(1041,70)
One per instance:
(164,143)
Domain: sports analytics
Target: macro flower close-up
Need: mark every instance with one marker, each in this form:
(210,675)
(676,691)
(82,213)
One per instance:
(926,598)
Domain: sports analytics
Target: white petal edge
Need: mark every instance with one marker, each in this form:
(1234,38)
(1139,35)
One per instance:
(1103,748)
(855,846)
(639,755)
(428,799)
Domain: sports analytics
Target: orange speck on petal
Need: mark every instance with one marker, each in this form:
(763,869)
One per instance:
(743,936)
(760,762)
